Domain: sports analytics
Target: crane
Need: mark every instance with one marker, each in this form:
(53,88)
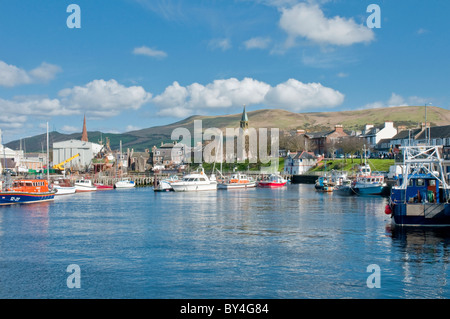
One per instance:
(60,166)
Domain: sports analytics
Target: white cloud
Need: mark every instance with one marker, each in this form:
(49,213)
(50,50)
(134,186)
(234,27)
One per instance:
(180,101)
(45,72)
(33,105)
(342,75)
(70,129)
(222,44)
(308,21)
(397,100)
(149,52)
(104,98)
(11,75)
(257,43)
(130,128)
(296,96)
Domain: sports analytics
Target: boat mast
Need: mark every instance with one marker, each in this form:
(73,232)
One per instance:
(48,162)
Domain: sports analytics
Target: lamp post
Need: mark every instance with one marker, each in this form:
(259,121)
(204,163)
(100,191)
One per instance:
(426,129)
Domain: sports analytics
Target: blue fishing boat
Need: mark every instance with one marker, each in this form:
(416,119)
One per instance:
(421,197)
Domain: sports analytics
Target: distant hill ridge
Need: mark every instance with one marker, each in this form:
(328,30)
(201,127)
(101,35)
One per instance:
(409,116)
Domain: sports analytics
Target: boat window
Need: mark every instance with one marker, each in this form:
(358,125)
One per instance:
(432,182)
(420,182)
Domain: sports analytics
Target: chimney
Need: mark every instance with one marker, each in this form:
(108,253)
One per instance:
(422,125)
(367,127)
(339,128)
(389,124)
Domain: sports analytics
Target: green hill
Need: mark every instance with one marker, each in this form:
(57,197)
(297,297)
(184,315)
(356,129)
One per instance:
(409,116)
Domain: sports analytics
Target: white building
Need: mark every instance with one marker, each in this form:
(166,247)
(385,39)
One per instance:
(65,150)
(299,163)
(374,134)
(11,157)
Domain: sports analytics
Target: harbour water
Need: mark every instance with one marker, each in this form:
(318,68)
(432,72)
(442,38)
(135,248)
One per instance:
(282,243)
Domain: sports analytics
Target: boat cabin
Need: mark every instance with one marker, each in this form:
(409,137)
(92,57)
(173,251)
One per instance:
(30,185)
(420,188)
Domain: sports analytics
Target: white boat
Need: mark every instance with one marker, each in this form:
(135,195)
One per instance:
(124,183)
(84,185)
(63,187)
(237,180)
(165,185)
(197,181)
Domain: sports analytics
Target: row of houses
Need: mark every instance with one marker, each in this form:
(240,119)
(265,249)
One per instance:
(381,141)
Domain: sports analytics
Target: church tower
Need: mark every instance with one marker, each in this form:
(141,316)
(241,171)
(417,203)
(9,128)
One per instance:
(84,136)
(244,121)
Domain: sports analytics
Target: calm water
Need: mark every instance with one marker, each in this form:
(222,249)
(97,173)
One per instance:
(257,243)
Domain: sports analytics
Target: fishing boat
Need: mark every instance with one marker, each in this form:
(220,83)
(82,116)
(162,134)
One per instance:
(165,185)
(197,181)
(344,188)
(323,184)
(84,185)
(237,181)
(26,191)
(273,181)
(368,183)
(63,187)
(330,181)
(421,197)
(124,183)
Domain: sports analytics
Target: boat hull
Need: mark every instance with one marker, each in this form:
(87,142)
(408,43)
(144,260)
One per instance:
(421,214)
(11,198)
(236,185)
(367,191)
(101,187)
(271,184)
(186,187)
(324,189)
(83,189)
(60,190)
(344,191)
(128,184)
(163,187)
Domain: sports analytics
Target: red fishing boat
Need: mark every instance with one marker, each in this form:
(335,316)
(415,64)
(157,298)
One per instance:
(273,181)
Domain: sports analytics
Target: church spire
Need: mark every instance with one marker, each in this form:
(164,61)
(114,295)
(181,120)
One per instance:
(244,120)
(84,136)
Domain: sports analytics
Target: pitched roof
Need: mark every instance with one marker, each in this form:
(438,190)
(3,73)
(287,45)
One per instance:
(405,134)
(436,132)
(305,155)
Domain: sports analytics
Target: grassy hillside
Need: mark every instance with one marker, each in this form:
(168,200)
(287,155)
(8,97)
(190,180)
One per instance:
(410,116)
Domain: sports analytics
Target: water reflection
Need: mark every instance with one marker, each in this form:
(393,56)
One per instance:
(424,259)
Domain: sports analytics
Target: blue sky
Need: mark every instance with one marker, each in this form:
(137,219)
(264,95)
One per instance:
(134,64)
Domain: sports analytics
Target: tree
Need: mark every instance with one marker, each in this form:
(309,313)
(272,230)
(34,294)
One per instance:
(293,143)
(351,145)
